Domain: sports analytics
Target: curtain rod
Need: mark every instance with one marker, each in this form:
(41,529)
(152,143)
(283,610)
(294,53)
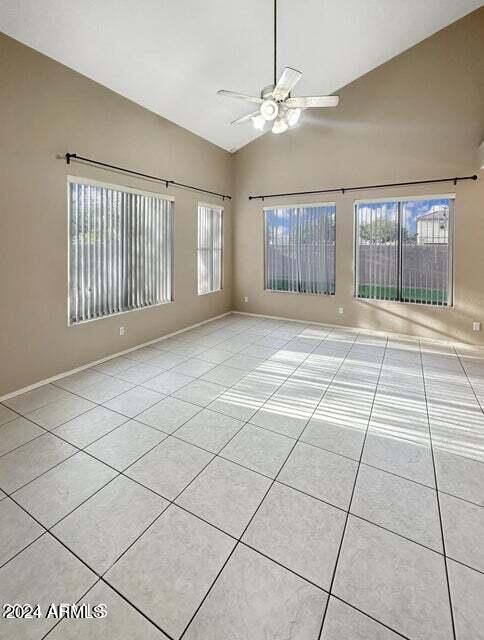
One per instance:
(342,190)
(74,156)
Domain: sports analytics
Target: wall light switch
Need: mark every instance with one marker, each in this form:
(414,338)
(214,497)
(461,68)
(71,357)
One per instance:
(246,299)
(121,331)
(476,326)
(341,311)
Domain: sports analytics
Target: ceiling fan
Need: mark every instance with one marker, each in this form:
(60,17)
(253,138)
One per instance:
(276,104)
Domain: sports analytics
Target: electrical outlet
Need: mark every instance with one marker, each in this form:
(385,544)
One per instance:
(246,299)
(341,311)
(121,331)
(476,326)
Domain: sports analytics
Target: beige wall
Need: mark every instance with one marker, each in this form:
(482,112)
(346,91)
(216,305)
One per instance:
(421,115)
(45,110)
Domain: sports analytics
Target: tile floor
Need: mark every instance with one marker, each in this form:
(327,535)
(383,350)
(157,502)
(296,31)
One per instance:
(251,479)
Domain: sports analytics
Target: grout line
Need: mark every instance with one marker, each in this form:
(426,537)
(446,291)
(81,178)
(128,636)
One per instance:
(17,553)
(171,502)
(438,502)
(468,566)
(367,615)
(79,450)
(260,504)
(83,562)
(63,617)
(136,608)
(396,533)
(281,564)
(28,441)
(469,383)
(351,496)
(41,474)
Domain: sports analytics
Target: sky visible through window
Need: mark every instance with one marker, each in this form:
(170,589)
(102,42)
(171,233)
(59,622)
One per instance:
(378,222)
(413,210)
(282,219)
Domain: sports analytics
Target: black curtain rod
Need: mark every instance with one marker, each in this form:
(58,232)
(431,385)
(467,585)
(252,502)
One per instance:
(166,182)
(342,190)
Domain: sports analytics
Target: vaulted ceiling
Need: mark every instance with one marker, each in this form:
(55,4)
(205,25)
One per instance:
(172,56)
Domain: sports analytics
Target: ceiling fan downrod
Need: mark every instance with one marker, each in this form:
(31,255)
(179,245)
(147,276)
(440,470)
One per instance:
(275,42)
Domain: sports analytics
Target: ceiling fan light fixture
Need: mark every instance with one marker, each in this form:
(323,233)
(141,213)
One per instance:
(259,122)
(269,110)
(293,116)
(279,126)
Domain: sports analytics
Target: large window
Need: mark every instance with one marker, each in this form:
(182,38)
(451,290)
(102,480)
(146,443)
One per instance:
(121,249)
(209,248)
(300,248)
(403,250)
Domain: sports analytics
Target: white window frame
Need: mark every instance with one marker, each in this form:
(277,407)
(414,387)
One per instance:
(123,188)
(264,236)
(451,241)
(220,209)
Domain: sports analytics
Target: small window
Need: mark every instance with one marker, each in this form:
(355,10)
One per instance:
(121,250)
(300,248)
(403,250)
(209,248)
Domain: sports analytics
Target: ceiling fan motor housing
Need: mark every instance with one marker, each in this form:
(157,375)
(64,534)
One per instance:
(269,109)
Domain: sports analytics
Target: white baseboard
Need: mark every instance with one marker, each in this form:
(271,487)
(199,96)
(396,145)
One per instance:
(59,376)
(369,332)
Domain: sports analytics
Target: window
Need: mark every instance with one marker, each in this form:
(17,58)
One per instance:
(404,250)
(300,248)
(209,248)
(120,252)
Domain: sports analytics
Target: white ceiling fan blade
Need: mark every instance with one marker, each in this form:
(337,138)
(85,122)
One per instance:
(309,102)
(239,96)
(249,116)
(287,82)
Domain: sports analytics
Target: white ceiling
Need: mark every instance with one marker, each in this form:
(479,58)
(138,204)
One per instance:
(173,56)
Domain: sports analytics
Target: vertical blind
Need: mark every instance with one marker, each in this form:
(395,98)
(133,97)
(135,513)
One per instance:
(300,248)
(403,250)
(377,250)
(121,250)
(209,248)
